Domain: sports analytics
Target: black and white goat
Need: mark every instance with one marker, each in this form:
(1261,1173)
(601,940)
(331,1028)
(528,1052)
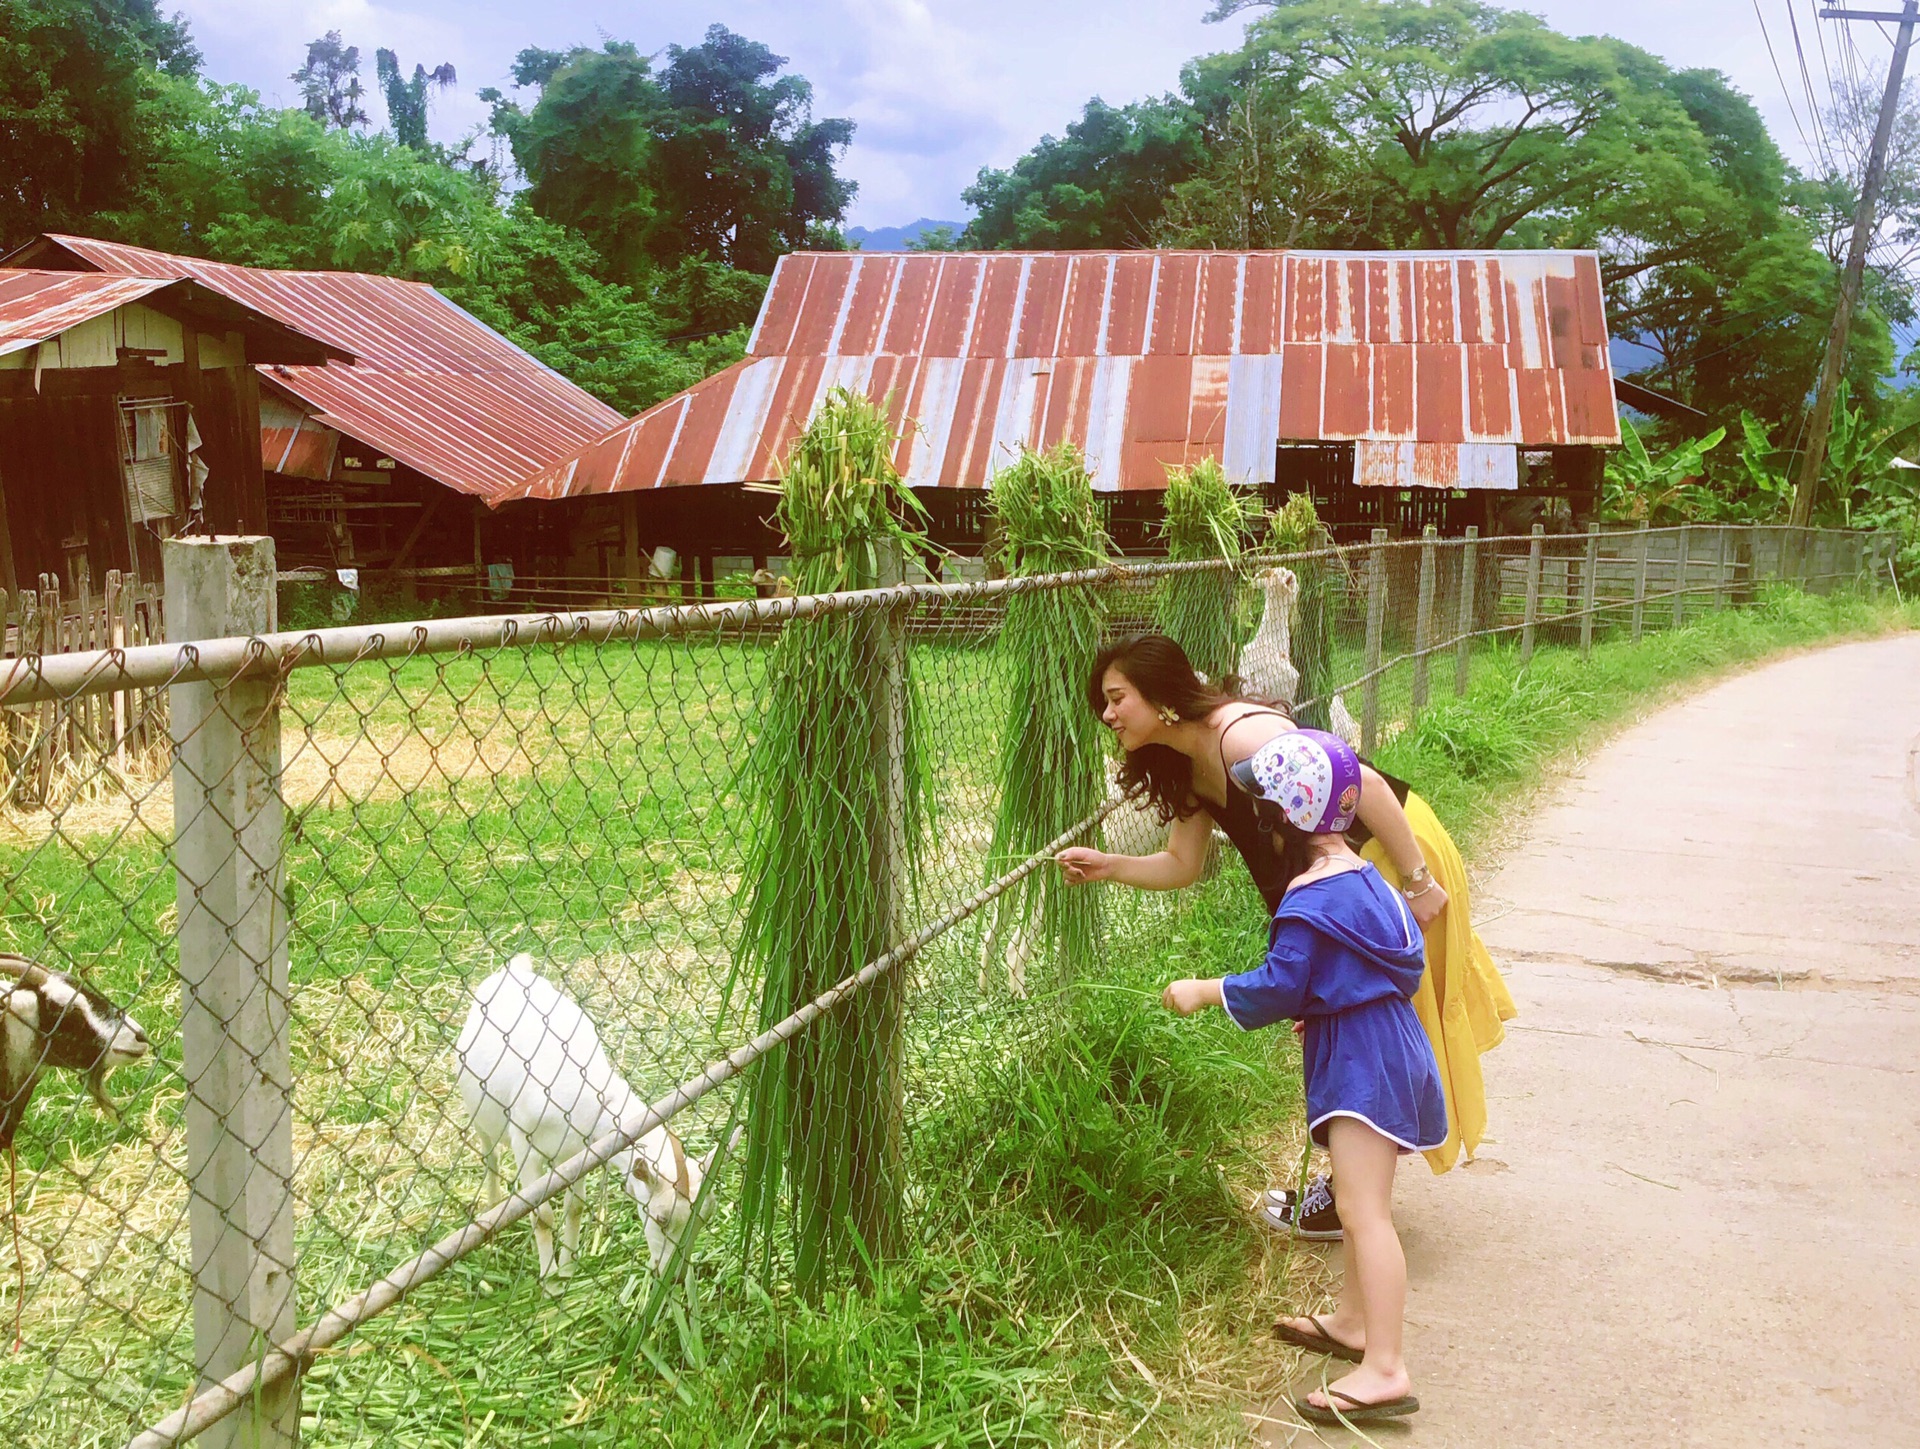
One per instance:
(531,1070)
(48,1019)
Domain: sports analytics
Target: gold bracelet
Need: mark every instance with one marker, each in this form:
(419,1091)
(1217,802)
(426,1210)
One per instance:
(1424,890)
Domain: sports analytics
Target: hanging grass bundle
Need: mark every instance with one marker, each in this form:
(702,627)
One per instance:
(1051,747)
(834,785)
(1295,528)
(1206,519)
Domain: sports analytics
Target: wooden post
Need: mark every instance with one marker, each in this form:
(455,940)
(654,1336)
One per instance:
(1376,627)
(1469,575)
(1640,581)
(1532,617)
(234,1026)
(1423,622)
(892,870)
(1589,590)
(1683,543)
(1719,568)
(630,548)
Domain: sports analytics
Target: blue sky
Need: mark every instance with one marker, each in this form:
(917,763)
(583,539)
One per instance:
(939,88)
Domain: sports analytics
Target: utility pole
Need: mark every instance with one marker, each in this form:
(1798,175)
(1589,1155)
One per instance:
(1815,458)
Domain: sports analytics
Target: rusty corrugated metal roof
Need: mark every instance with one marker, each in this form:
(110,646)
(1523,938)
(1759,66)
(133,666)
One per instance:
(430,385)
(35,306)
(1144,359)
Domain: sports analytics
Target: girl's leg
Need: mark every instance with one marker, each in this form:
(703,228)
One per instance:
(1375,1288)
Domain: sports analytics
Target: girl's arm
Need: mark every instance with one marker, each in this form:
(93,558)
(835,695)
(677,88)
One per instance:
(1176,866)
(1380,812)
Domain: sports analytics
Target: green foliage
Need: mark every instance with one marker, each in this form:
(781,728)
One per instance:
(330,82)
(80,91)
(1205,519)
(1104,184)
(1641,485)
(826,820)
(718,155)
(407,99)
(1051,748)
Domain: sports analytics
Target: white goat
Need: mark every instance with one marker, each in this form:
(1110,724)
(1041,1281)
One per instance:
(1266,664)
(531,1069)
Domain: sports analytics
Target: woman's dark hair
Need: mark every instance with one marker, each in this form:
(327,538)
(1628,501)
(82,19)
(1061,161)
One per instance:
(1159,668)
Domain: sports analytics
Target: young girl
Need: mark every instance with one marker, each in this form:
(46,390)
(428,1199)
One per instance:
(1344,957)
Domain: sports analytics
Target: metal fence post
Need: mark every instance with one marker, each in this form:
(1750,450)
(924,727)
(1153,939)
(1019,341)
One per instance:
(234,1026)
(1684,544)
(1532,616)
(1589,590)
(1376,626)
(1423,621)
(1463,651)
(1640,581)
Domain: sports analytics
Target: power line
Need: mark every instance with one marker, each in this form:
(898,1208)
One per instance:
(1806,78)
(1786,91)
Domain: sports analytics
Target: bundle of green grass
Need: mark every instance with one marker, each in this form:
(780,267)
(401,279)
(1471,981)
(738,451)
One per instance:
(1206,520)
(1051,747)
(835,789)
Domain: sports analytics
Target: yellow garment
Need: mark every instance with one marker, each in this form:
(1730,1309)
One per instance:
(1462,999)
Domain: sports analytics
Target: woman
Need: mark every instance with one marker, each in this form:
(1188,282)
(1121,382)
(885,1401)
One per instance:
(1181,735)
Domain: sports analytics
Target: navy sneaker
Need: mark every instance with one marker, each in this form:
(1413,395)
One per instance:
(1312,1217)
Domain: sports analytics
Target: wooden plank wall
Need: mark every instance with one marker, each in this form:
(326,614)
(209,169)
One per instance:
(46,746)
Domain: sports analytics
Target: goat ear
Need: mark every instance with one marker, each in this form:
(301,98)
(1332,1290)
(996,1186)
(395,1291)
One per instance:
(642,1170)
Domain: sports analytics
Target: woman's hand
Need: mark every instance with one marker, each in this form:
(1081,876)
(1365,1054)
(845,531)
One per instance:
(1188,996)
(1428,904)
(1082,863)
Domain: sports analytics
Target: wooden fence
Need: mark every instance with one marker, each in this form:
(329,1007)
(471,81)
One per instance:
(42,746)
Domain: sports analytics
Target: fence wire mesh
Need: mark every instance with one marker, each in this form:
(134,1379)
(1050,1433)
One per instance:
(300,898)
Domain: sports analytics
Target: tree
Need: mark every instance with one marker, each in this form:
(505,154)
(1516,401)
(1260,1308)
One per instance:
(719,155)
(330,82)
(407,99)
(746,171)
(1106,183)
(79,82)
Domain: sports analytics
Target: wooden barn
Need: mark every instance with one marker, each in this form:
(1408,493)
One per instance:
(129,409)
(381,444)
(1401,389)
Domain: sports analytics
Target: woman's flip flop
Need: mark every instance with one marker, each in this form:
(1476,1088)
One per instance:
(1316,1341)
(1356,1412)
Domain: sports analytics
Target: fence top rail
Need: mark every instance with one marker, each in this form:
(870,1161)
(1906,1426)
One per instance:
(36,678)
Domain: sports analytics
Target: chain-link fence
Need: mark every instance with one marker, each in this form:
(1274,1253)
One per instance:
(308,901)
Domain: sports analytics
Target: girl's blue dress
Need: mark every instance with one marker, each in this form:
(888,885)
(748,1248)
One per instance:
(1345,954)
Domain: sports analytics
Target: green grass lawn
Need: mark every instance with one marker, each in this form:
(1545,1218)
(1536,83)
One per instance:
(1080,1264)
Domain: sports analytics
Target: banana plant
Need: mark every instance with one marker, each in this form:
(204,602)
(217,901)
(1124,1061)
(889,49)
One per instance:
(1639,485)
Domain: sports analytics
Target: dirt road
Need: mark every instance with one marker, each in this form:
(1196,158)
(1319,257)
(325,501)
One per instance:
(1697,1221)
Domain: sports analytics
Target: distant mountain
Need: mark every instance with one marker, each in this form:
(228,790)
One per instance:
(895,238)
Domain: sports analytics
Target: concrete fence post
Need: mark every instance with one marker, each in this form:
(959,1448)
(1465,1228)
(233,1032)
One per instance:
(1423,621)
(1376,628)
(1589,590)
(234,1026)
(1640,581)
(1463,650)
(1531,618)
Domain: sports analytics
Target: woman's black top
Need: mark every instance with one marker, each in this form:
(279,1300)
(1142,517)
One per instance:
(1254,840)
